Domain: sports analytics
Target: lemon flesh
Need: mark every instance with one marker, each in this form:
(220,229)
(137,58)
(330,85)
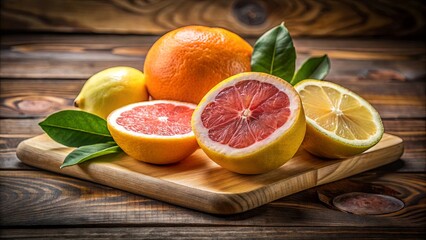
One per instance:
(111,89)
(339,122)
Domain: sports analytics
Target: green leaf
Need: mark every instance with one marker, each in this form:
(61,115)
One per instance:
(88,152)
(313,68)
(76,128)
(275,54)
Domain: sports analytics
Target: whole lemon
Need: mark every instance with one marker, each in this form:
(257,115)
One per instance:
(110,89)
(184,64)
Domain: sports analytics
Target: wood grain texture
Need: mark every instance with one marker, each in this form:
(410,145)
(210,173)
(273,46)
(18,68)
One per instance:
(36,98)
(40,199)
(22,128)
(414,135)
(303,18)
(79,56)
(200,184)
(8,158)
(216,232)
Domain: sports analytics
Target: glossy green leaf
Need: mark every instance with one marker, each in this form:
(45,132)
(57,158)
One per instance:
(76,128)
(88,152)
(275,54)
(313,68)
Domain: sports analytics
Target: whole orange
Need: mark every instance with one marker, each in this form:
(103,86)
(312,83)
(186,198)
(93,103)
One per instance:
(184,64)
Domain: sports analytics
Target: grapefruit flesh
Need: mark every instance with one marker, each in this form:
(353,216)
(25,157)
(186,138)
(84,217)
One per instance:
(250,112)
(164,119)
(250,123)
(156,131)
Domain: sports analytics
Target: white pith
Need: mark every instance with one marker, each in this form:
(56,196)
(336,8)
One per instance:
(202,132)
(112,119)
(356,142)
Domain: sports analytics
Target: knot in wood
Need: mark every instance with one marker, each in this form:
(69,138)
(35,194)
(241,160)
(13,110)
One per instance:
(250,12)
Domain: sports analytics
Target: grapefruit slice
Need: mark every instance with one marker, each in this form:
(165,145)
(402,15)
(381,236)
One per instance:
(339,122)
(156,131)
(250,123)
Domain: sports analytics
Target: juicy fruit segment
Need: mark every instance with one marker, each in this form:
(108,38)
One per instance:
(248,112)
(110,89)
(184,64)
(339,122)
(338,113)
(156,131)
(250,123)
(164,119)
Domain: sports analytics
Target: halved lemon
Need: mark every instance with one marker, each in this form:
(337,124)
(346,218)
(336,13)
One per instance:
(250,123)
(339,122)
(156,132)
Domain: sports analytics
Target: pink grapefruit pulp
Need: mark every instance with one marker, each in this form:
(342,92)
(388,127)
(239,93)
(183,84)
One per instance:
(249,111)
(155,131)
(250,123)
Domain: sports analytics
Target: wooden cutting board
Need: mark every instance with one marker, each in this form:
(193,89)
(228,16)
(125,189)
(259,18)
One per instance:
(199,183)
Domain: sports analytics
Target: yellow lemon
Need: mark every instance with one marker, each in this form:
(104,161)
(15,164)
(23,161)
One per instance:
(339,122)
(110,89)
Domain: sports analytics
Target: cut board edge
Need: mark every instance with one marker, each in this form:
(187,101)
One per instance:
(227,203)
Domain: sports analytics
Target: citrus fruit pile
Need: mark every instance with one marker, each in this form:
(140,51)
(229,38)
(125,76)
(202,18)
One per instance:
(204,95)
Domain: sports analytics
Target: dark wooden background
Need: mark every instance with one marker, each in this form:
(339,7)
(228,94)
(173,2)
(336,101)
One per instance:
(50,47)
(343,18)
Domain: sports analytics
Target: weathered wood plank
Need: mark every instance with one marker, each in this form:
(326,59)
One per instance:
(78,57)
(216,232)
(35,198)
(20,128)
(36,98)
(397,49)
(342,70)
(39,98)
(8,158)
(306,18)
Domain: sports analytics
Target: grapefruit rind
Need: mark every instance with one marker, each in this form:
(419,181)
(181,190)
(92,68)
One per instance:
(154,149)
(324,143)
(262,156)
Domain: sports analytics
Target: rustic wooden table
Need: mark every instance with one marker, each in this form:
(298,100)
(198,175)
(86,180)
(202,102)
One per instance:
(49,48)
(42,73)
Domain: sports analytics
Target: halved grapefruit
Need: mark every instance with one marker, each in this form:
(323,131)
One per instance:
(250,123)
(156,132)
